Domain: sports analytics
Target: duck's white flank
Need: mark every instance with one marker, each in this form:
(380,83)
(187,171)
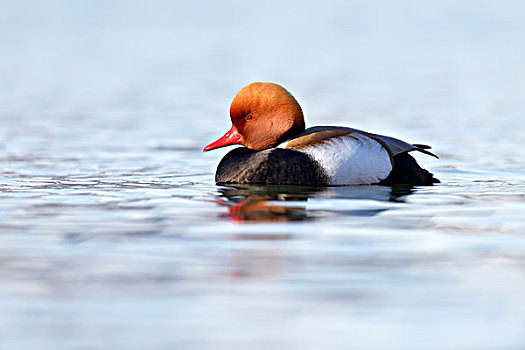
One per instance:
(350,160)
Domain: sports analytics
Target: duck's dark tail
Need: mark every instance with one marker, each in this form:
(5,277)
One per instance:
(407,171)
(424,149)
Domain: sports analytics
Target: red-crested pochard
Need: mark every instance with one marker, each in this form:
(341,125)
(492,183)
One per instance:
(269,122)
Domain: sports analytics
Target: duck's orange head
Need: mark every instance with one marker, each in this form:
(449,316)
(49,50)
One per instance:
(263,115)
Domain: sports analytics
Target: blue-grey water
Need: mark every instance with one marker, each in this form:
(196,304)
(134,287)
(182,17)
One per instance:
(113,234)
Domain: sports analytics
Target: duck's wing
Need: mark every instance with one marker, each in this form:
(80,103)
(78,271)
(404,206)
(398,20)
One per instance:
(347,157)
(397,146)
(316,135)
(320,134)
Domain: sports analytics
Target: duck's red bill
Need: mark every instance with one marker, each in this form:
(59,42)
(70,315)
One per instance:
(232,137)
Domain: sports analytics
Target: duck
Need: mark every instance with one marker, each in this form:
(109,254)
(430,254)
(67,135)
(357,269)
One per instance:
(279,150)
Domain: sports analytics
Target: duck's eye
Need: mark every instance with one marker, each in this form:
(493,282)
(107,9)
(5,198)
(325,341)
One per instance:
(249,117)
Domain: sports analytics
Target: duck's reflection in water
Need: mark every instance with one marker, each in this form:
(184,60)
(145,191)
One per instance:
(267,203)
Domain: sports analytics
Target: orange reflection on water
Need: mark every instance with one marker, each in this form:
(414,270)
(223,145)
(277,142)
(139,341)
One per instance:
(282,203)
(265,211)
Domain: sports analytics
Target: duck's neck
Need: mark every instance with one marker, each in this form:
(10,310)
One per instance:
(294,131)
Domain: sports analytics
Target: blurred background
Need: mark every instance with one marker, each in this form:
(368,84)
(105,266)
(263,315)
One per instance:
(113,233)
(439,64)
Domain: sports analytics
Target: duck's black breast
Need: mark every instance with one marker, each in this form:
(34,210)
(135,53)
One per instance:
(272,166)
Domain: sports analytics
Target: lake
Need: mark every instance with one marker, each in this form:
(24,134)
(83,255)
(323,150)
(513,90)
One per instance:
(113,233)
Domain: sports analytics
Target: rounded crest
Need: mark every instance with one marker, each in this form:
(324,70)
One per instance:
(265,114)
